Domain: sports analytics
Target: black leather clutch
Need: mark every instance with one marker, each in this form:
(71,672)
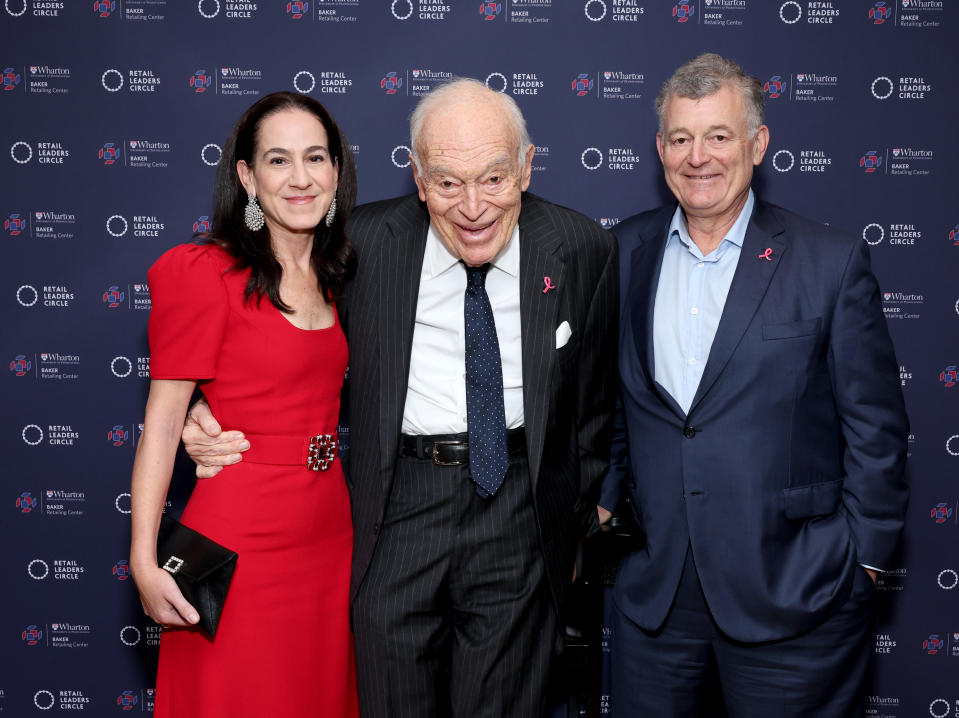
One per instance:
(201,568)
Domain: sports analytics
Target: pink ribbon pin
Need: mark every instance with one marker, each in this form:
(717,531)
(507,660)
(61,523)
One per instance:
(549,284)
(767,255)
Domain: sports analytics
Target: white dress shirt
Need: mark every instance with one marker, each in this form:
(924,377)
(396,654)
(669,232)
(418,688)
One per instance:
(436,388)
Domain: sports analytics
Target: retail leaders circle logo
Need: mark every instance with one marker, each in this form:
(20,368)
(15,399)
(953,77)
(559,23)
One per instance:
(948,579)
(952,445)
(121,367)
(129,635)
(939,708)
(208,15)
(206,159)
(401,4)
(27,295)
(296,82)
(787,16)
(406,154)
(122,500)
(781,158)
(497,86)
(17,152)
(23,8)
(38,569)
(873,234)
(595,10)
(112,80)
(881,88)
(32,434)
(44,700)
(114,224)
(591,151)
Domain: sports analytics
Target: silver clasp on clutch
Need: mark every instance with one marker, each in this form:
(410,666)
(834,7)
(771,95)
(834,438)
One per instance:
(321,453)
(173,564)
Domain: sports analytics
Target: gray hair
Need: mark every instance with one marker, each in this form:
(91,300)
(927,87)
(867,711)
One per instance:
(458,89)
(707,74)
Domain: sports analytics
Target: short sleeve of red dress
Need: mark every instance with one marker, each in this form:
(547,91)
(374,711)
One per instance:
(189,310)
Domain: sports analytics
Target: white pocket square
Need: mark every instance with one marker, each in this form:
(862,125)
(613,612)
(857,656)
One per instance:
(563,333)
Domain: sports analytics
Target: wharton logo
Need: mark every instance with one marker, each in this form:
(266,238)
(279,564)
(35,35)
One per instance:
(941,512)
(104,8)
(391,82)
(583,84)
(490,10)
(11,78)
(880,12)
(21,366)
(118,435)
(297,10)
(113,297)
(871,161)
(200,81)
(32,635)
(682,11)
(14,224)
(26,502)
(774,87)
(109,153)
(933,644)
(948,377)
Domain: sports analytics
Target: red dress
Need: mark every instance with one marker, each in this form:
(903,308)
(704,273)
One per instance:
(283,646)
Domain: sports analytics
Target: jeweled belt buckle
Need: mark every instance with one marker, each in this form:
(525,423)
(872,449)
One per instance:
(436,456)
(321,453)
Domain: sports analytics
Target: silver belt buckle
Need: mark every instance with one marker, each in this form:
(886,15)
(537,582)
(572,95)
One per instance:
(321,453)
(436,458)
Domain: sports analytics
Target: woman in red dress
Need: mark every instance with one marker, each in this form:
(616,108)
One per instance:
(249,316)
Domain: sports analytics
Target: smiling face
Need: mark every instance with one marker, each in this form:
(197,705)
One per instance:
(708,154)
(292,174)
(470,178)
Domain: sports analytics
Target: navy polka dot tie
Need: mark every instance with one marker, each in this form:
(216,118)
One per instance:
(485,412)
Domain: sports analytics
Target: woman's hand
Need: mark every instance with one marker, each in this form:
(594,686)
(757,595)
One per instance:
(161,598)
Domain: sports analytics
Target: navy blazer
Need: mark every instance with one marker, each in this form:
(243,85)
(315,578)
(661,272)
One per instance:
(788,470)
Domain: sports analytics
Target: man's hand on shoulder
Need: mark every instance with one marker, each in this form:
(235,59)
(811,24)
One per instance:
(207,444)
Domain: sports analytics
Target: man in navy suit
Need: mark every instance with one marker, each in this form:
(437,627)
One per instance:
(764,428)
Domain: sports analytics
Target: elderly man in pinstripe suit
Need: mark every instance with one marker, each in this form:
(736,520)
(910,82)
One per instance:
(473,467)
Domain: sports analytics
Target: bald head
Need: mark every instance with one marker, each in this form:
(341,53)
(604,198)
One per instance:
(465,93)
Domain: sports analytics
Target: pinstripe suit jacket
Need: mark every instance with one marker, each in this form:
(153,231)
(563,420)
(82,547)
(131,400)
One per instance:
(568,393)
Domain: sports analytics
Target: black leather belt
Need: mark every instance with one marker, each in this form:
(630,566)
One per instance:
(451,449)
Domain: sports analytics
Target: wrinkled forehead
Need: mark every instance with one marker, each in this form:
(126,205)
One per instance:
(467,129)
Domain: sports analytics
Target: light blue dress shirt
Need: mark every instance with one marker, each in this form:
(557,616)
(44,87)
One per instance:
(690,299)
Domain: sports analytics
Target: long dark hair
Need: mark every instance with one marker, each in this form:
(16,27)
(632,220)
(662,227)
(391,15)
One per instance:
(333,258)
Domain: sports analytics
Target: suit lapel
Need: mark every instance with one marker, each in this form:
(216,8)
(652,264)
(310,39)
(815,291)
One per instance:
(398,283)
(539,315)
(746,292)
(646,262)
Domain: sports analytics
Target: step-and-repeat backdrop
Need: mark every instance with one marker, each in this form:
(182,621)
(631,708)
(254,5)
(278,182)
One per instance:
(113,116)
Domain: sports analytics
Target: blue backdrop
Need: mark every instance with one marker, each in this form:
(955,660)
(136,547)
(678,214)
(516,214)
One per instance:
(113,114)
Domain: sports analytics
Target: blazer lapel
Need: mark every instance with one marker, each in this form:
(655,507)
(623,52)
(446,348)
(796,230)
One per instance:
(539,314)
(399,281)
(755,270)
(646,262)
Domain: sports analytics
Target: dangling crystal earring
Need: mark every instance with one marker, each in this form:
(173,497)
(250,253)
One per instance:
(331,212)
(253,215)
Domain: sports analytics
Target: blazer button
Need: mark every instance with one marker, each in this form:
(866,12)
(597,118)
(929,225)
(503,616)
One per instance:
(689,432)
(376,529)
